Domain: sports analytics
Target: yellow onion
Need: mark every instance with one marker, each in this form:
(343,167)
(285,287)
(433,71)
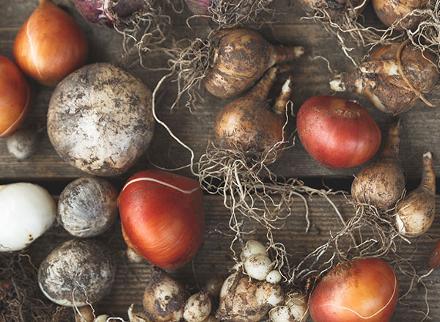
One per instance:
(50,44)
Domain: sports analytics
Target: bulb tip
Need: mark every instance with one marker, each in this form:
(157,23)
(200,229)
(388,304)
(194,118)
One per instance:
(337,84)
(299,51)
(427,155)
(287,86)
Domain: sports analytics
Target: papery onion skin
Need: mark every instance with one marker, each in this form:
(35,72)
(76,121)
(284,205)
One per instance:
(361,290)
(336,132)
(415,214)
(107,12)
(248,123)
(382,183)
(160,223)
(241,58)
(391,12)
(14,97)
(379,78)
(50,44)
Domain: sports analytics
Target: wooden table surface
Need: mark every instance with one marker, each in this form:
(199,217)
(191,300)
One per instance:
(420,134)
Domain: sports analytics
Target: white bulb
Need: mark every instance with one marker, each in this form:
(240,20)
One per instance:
(269,294)
(252,247)
(197,308)
(258,266)
(279,314)
(27,211)
(297,304)
(274,277)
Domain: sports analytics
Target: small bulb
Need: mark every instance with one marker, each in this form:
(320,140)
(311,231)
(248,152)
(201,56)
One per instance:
(258,266)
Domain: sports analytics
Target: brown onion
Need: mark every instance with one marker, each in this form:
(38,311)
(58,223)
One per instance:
(241,57)
(382,183)
(397,13)
(248,124)
(393,78)
(14,97)
(50,44)
(415,214)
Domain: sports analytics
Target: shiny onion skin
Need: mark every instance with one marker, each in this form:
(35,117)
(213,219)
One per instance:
(379,78)
(162,217)
(336,132)
(361,290)
(14,97)
(434,259)
(241,58)
(391,12)
(50,44)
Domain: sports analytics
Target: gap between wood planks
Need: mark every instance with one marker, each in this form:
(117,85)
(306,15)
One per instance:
(56,186)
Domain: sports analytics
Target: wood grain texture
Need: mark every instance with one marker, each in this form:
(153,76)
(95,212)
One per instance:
(310,78)
(214,256)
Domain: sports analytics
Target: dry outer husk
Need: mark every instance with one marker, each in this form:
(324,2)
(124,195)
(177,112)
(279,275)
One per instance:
(20,297)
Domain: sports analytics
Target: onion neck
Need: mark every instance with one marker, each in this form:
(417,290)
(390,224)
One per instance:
(428,176)
(281,54)
(280,106)
(43,2)
(262,89)
(392,145)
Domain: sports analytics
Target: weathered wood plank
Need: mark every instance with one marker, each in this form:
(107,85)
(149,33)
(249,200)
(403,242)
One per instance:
(214,256)
(420,124)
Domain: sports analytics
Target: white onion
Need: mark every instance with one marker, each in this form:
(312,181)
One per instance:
(27,211)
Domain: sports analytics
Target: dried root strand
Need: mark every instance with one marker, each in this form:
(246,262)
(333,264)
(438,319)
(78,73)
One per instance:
(238,177)
(231,13)
(20,297)
(147,30)
(368,233)
(189,61)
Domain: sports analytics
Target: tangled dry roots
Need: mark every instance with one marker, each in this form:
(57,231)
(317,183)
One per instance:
(368,233)
(238,177)
(188,63)
(231,13)
(20,297)
(147,30)
(350,31)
